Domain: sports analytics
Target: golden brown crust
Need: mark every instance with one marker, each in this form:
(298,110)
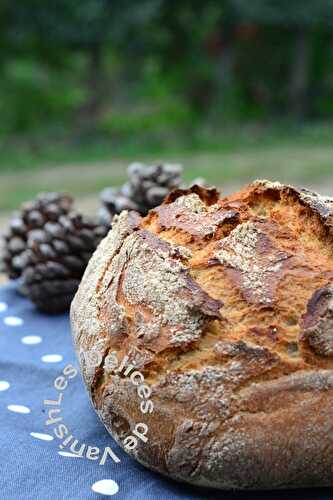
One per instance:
(226,306)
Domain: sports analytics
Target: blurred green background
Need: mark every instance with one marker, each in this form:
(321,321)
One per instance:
(233,89)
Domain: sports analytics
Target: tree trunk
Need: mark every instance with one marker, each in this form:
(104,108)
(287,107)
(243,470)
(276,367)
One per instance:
(89,112)
(300,74)
(95,80)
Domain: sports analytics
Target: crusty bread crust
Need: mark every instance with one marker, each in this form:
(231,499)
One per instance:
(226,307)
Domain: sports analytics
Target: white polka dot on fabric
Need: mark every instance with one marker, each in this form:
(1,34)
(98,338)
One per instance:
(68,454)
(51,358)
(105,487)
(42,437)
(13,321)
(3,307)
(4,385)
(31,340)
(18,408)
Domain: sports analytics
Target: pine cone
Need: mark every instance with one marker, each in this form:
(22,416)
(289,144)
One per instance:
(49,245)
(146,188)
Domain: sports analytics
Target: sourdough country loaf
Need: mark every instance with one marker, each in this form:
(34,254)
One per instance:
(225,305)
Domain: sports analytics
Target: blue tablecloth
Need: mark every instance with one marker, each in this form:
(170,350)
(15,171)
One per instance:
(34,351)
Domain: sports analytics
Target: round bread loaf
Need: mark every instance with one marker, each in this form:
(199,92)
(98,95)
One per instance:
(224,306)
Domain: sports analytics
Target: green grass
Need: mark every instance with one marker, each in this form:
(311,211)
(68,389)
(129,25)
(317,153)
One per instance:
(301,155)
(39,150)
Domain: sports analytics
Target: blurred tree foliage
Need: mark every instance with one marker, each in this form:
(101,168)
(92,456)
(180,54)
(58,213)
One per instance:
(155,65)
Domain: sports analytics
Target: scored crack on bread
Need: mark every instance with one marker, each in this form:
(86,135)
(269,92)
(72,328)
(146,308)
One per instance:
(226,307)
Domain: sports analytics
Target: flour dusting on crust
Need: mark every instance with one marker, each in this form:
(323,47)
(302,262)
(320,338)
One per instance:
(249,251)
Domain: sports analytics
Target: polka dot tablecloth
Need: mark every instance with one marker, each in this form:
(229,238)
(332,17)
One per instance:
(35,460)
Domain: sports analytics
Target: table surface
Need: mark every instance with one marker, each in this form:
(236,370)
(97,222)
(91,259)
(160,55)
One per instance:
(35,350)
